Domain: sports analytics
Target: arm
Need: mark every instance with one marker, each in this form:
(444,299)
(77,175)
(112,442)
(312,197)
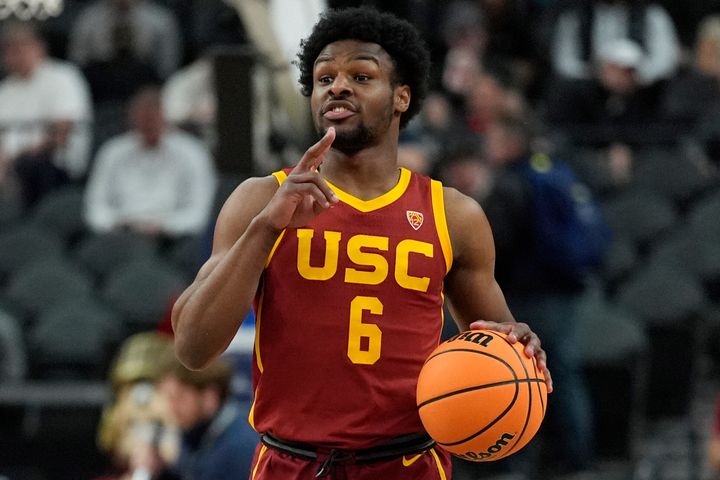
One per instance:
(209,312)
(662,47)
(476,300)
(100,212)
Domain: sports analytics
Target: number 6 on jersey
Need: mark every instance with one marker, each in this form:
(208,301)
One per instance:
(359,330)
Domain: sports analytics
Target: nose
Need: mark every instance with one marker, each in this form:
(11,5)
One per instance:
(340,86)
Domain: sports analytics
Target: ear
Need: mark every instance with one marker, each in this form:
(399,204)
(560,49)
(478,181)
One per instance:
(402,98)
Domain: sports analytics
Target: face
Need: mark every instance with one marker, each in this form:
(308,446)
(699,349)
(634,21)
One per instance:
(147,119)
(187,404)
(618,79)
(500,146)
(353,91)
(21,53)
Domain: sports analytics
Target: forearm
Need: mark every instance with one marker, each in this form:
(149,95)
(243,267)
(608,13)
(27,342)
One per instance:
(207,315)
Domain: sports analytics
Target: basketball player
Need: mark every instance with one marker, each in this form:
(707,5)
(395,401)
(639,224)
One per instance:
(347,259)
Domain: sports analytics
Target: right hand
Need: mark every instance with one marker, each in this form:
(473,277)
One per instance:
(304,194)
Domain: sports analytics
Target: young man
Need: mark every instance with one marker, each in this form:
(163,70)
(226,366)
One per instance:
(347,258)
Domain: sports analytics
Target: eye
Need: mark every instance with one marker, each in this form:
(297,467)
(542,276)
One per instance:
(361,77)
(325,79)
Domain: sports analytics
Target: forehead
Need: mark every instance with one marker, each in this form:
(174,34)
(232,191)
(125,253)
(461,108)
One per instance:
(354,50)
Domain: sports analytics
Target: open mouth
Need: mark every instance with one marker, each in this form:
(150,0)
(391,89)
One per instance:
(338,112)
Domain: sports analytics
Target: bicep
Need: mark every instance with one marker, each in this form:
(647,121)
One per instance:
(472,290)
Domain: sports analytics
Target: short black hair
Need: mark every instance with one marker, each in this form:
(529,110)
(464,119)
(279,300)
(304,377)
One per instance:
(398,37)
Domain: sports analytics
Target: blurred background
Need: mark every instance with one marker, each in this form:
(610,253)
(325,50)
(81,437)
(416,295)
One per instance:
(124,125)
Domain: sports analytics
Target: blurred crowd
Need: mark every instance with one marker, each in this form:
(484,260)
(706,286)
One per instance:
(109,185)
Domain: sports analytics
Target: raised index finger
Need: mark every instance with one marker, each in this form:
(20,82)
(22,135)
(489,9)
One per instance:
(314,155)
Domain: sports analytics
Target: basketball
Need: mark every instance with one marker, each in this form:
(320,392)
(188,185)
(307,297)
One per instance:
(479,397)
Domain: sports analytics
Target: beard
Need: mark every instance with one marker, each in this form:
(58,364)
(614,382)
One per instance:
(352,141)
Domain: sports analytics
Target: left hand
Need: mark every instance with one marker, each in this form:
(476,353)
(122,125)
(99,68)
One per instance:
(520,332)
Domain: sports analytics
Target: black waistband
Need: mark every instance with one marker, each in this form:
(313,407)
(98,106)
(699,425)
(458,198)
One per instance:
(404,445)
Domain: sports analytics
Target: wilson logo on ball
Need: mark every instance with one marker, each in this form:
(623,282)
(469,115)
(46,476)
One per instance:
(492,449)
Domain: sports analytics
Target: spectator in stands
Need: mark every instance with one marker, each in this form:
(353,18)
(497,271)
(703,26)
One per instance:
(115,77)
(693,98)
(45,110)
(217,441)
(541,296)
(189,98)
(583,31)
(136,430)
(491,95)
(150,31)
(466,170)
(153,179)
(613,106)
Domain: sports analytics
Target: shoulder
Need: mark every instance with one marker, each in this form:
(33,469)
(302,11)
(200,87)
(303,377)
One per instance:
(244,203)
(157,14)
(59,69)
(117,146)
(185,142)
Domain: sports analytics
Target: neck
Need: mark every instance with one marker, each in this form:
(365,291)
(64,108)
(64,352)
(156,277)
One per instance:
(367,173)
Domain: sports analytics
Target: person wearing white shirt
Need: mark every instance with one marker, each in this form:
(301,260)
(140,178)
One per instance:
(152,179)
(153,29)
(581,33)
(45,114)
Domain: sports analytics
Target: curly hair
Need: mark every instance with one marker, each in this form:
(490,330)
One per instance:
(397,37)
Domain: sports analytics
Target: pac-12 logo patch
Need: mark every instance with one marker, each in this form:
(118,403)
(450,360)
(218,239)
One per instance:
(415,219)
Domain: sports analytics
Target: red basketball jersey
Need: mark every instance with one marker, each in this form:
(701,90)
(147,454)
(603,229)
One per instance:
(348,309)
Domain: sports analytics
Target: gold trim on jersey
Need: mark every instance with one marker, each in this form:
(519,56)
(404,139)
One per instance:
(376,203)
(251,414)
(263,449)
(440,468)
(275,246)
(258,319)
(280,176)
(438,203)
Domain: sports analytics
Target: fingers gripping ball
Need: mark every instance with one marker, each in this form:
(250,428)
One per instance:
(480,397)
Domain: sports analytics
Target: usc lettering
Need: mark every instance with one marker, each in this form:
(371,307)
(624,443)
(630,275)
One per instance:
(357,254)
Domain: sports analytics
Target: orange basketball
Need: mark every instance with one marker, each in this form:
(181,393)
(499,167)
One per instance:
(480,397)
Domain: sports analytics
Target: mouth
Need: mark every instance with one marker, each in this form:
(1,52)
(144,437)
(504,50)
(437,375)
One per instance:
(335,111)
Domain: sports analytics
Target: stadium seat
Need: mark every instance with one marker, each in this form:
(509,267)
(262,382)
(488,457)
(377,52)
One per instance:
(669,301)
(11,210)
(671,173)
(620,260)
(60,211)
(641,216)
(188,254)
(103,253)
(26,243)
(614,346)
(13,356)
(42,284)
(695,252)
(142,291)
(704,214)
(74,339)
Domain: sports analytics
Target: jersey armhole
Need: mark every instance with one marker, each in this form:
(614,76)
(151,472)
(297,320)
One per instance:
(438,205)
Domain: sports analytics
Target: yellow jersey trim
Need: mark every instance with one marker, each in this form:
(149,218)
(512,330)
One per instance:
(376,203)
(275,246)
(280,176)
(263,449)
(441,471)
(438,204)
(258,319)
(251,415)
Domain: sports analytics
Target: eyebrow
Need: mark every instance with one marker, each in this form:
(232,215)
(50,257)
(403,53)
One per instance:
(362,56)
